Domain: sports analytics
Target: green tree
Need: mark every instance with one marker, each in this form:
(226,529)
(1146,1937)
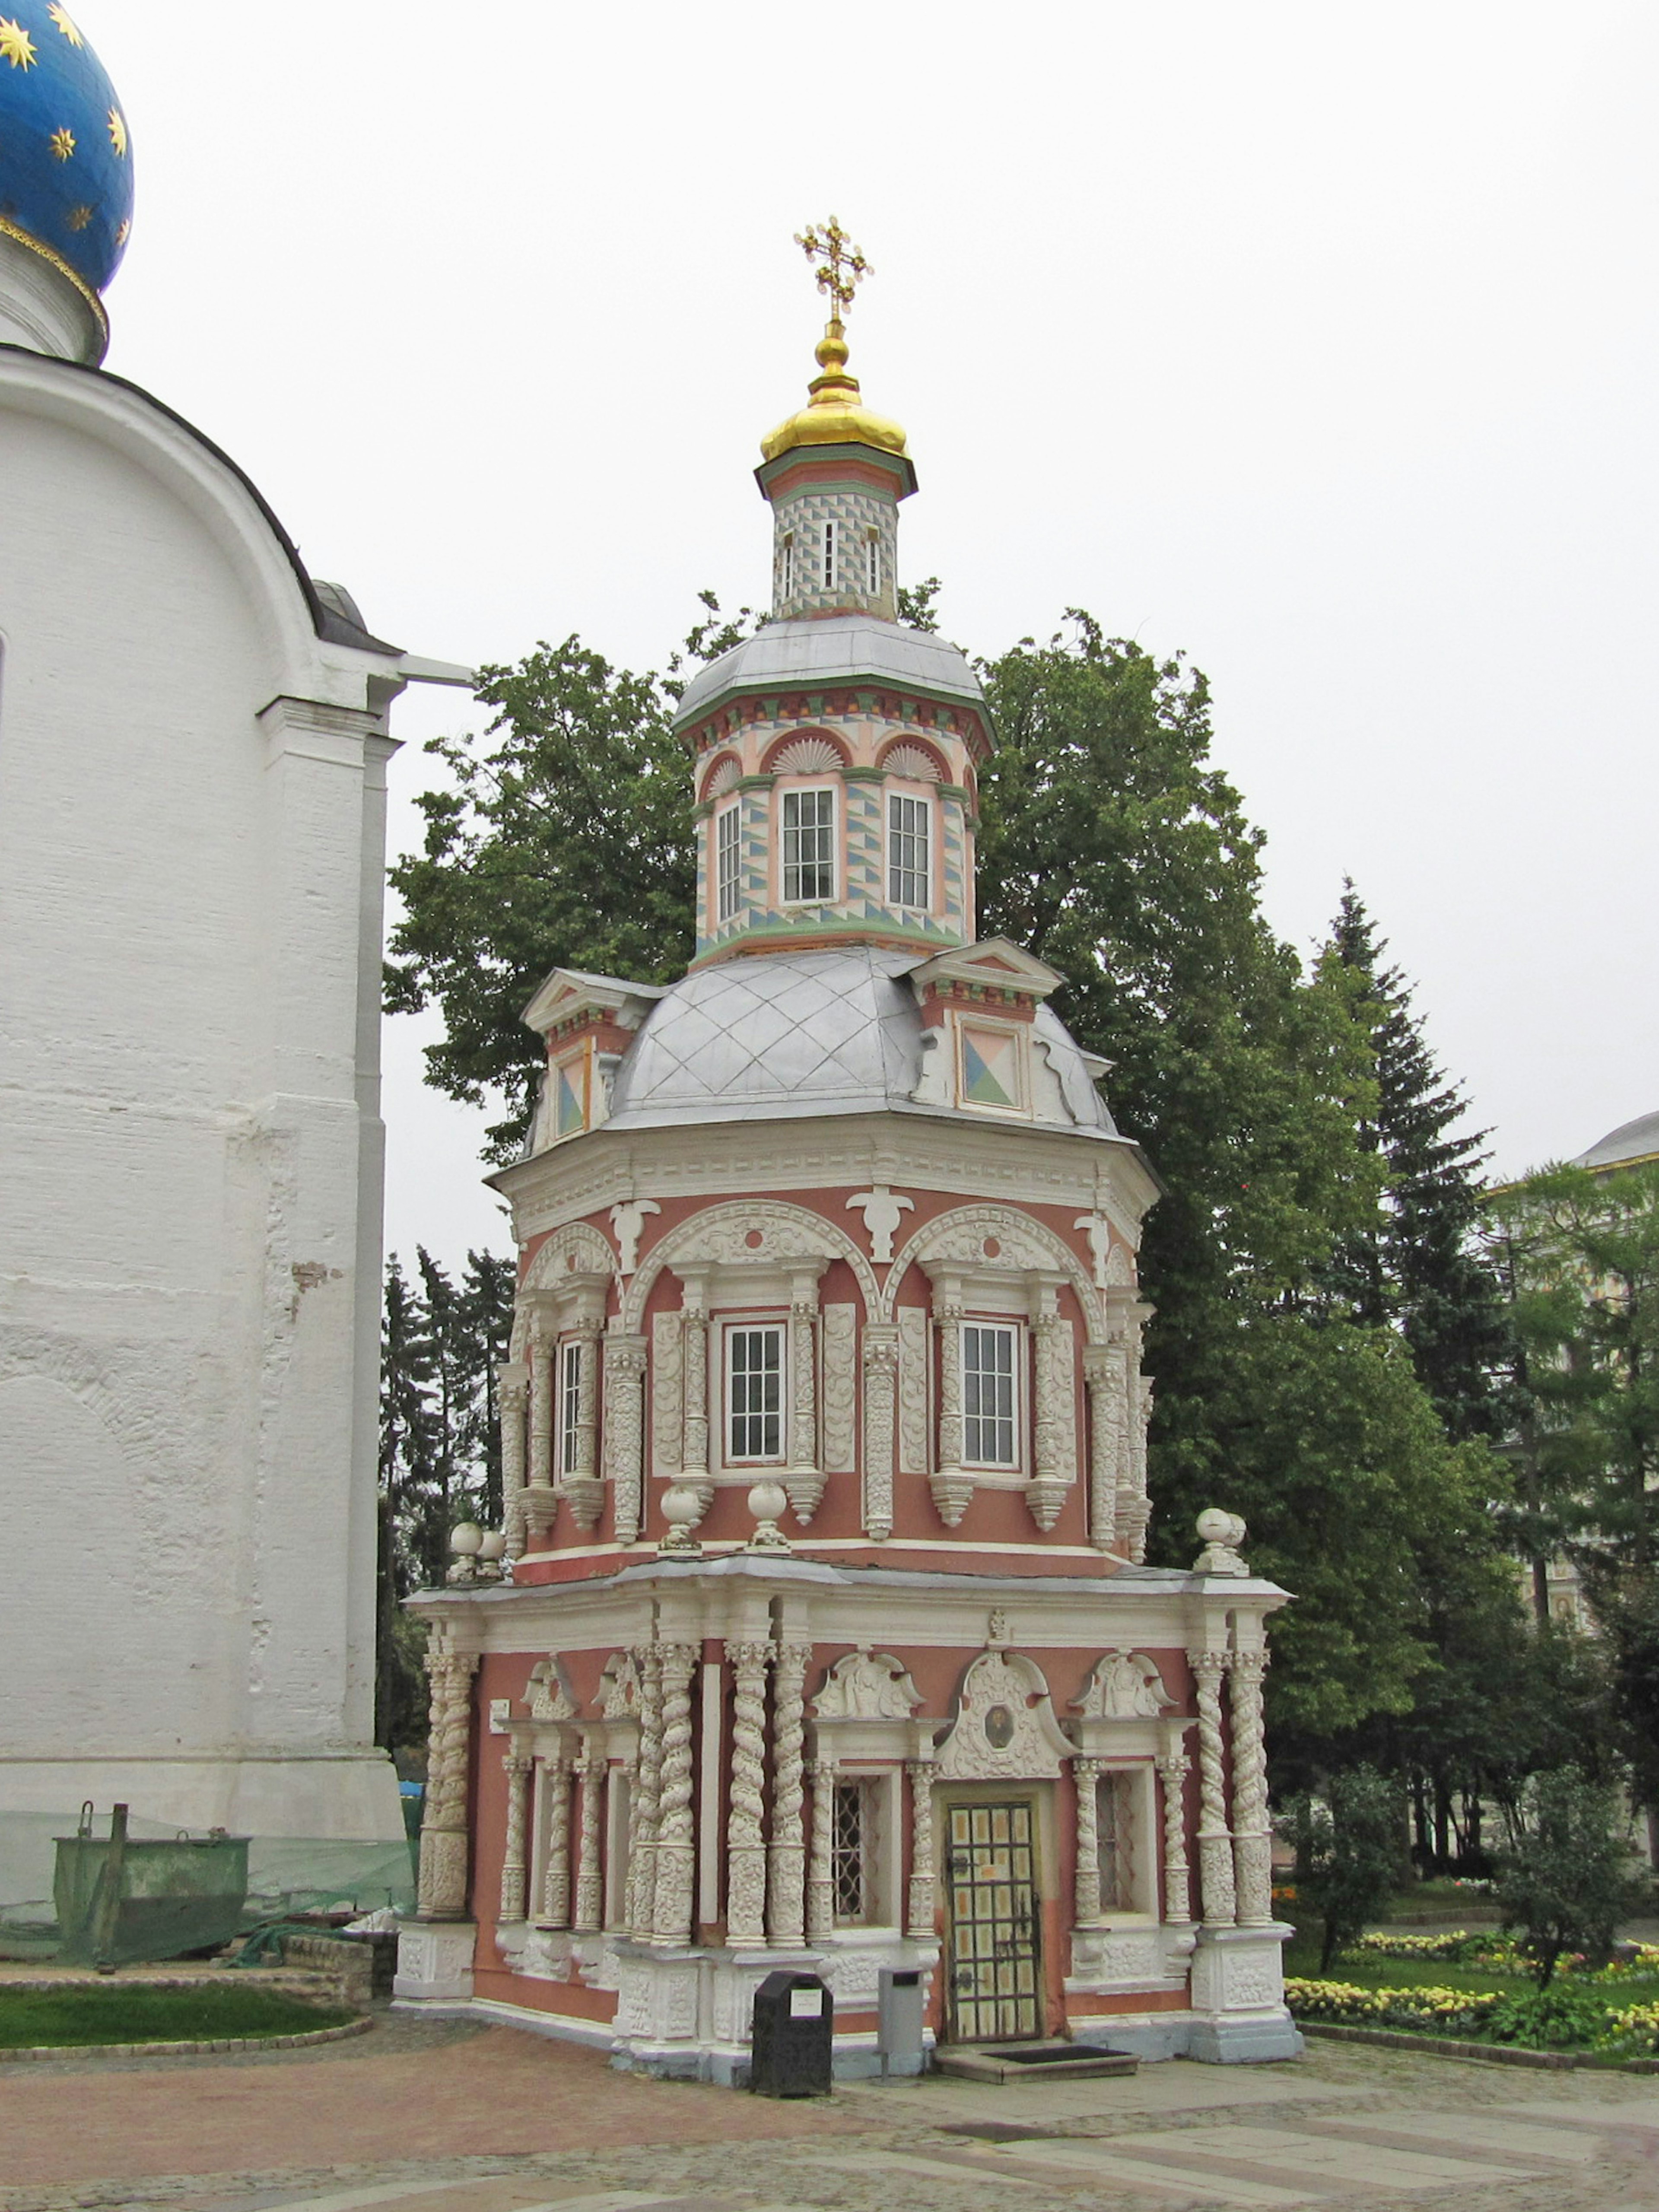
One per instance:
(1350,1855)
(1567,1880)
(407,1462)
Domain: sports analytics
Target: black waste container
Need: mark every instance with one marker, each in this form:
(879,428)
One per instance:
(791,2045)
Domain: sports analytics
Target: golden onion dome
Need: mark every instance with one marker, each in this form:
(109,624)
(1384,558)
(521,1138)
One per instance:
(833,415)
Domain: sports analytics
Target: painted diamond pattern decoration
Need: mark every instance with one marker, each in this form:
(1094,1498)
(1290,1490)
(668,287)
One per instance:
(990,1071)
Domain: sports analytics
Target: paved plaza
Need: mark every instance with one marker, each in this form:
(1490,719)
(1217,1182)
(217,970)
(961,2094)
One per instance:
(423,2116)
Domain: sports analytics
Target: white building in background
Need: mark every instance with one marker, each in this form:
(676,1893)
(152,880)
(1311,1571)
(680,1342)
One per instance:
(193,741)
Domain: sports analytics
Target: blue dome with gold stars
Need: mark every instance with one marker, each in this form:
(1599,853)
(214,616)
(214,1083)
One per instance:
(65,162)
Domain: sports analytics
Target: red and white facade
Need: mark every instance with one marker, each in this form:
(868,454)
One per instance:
(824,1637)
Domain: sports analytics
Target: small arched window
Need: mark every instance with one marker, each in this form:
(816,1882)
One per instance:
(872,556)
(786,568)
(828,557)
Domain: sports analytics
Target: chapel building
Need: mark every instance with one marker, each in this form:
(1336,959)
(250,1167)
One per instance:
(824,1638)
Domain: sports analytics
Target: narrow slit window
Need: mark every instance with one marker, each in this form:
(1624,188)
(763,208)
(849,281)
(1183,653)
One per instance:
(828,557)
(990,1396)
(873,556)
(809,847)
(786,568)
(754,1393)
(570,1404)
(727,877)
(907,850)
(851,1831)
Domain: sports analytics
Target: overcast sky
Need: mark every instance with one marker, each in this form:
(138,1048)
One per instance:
(1316,342)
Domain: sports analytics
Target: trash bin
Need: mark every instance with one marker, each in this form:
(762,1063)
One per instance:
(791,2045)
(898,2021)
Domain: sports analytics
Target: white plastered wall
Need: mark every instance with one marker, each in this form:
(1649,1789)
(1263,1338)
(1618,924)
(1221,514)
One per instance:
(192,803)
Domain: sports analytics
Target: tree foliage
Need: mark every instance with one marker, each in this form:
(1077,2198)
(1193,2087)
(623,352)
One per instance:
(1567,1882)
(1350,1854)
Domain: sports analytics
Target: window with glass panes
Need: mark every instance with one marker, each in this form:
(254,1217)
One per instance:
(907,850)
(872,557)
(1115,1819)
(808,846)
(726,863)
(754,1392)
(852,1839)
(570,1402)
(828,557)
(989,1393)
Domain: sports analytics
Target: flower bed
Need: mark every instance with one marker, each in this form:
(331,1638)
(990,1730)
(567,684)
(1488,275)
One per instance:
(1555,2019)
(1502,1954)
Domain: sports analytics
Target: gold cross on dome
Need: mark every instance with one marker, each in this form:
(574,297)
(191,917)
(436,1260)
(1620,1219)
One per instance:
(838,265)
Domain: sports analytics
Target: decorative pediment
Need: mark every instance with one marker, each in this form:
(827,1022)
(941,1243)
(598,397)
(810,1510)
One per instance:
(619,1688)
(1126,1686)
(995,964)
(1003,1729)
(570,993)
(548,1694)
(570,1252)
(866,1685)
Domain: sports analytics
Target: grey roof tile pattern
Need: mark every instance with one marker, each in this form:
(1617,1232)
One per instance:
(834,649)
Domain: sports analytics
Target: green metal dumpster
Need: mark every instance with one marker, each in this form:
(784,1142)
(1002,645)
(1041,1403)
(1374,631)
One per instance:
(120,1897)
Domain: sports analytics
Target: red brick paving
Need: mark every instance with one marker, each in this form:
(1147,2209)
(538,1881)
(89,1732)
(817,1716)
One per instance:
(500,2091)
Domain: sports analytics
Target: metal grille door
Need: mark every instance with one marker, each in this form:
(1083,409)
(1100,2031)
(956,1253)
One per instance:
(992,1884)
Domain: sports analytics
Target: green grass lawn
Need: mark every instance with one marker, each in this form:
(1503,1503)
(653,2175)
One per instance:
(115,2015)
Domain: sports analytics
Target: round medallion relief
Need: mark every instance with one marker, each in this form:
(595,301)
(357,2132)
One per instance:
(999,1727)
(755,1239)
(992,1247)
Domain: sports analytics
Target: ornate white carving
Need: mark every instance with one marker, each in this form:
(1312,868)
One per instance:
(1252,1834)
(866,1685)
(586,1919)
(667,1395)
(620,1686)
(1116,1958)
(1172,1772)
(1055,1421)
(745,1853)
(575,1249)
(1215,1851)
(643,1806)
(820,1881)
(513,1401)
(1103,1371)
(444,1861)
(911,761)
(1086,1777)
(786,1856)
(1025,1246)
(880,1403)
(675,1853)
(555,1874)
(1125,1686)
(913,1390)
(725,775)
(802,1479)
(547,1694)
(806,756)
(1100,1243)
(841,1384)
(1223,1533)
(624,1432)
(918,1916)
(952,1486)
(785,1236)
(1120,1269)
(1004,1728)
(694,1332)
(628,1220)
(883,1214)
(516,1766)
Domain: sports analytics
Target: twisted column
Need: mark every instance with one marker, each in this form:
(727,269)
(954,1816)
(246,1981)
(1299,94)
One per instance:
(802,1477)
(647,1785)
(514,1399)
(1085,1774)
(676,1850)
(1172,1772)
(1136,1512)
(745,1851)
(785,1856)
(556,1875)
(589,1887)
(1215,1848)
(951,1487)
(624,1432)
(444,1865)
(919,1919)
(517,1765)
(820,1879)
(1252,1833)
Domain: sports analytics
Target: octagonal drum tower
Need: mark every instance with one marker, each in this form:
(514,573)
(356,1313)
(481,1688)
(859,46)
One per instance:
(825,1637)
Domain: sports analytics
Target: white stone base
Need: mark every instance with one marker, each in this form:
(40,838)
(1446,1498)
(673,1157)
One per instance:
(1151,2036)
(434,1962)
(344,1797)
(1238,1996)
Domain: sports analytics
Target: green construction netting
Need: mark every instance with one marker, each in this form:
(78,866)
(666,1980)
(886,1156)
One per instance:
(67,1891)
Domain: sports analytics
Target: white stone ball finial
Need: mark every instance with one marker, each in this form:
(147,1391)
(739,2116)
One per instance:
(767,1501)
(1223,1533)
(466,1542)
(682,1508)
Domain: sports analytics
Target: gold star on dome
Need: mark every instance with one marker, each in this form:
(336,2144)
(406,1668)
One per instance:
(78,218)
(15,44)
(117,131)
(66,23)
(62,143)
(124,233)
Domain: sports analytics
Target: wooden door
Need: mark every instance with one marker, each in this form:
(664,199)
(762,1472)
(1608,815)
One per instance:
(994,1982)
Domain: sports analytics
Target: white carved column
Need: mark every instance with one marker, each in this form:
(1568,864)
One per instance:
(1086,1775)
(516,1766)
(624,1432)
(1215,1843)
(1173,1769)
(1252,1833)
(919,1917)
(951,1487)
(541,1500)
(582,1486)
(786,1856)
(1135,1510)
(820,1879)
(444,1863)
(676,1852)
(880,1413)
(512,1387)
(803,1478)
(1103,1371)
(694,1337)
(745,1849)
(556,1875)
(1053,1426)
(643,1808)
(585,1921)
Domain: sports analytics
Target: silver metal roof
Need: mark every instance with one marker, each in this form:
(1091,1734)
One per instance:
(1632,1140)
(779,1034)
(834,649)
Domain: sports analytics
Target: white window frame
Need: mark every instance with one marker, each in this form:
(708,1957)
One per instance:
(829,831)
(786,568)
(829,556)
(922,842)
(1133,1778)
(880,1785)
(729,862)
(756,1324)
(1015,1417)
(570,1404)
(872,556)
